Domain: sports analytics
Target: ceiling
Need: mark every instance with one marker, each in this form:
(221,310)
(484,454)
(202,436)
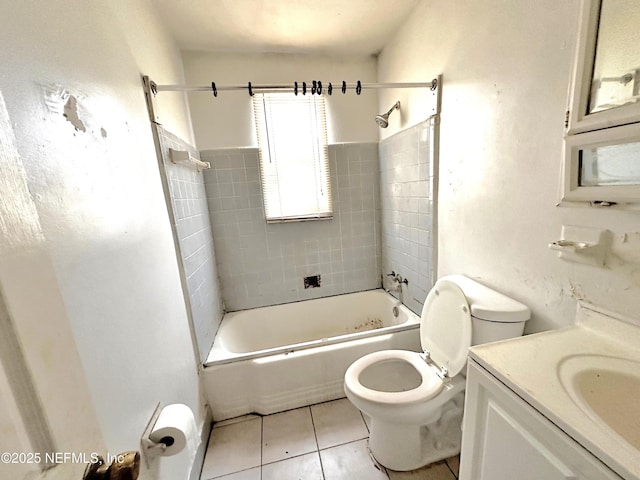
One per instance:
(332,27)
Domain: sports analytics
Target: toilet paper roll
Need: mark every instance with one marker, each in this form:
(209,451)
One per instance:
(176,428)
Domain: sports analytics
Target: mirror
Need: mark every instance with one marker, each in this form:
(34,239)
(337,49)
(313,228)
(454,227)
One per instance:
(602,141)
(616,72)
(606,79)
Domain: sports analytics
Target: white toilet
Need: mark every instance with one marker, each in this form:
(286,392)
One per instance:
(415,400)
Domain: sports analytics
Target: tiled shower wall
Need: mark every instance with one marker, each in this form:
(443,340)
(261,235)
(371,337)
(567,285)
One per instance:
(264,264)
(408,209)
(194,241)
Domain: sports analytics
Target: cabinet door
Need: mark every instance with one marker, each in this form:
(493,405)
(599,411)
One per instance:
(504,438)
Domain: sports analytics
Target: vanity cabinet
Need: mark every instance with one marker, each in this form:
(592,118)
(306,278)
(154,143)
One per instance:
(504,438)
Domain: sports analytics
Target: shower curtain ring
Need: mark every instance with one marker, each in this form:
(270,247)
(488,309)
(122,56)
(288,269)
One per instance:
(304,88)
(214,89)
(319,87)
(295,88)
(250,89)
(359,88)
(330,89)
(344,87)
(313,87)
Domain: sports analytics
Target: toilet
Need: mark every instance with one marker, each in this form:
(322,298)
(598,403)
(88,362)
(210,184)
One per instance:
(415,400)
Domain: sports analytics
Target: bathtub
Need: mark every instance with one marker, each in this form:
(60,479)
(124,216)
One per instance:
(271,359)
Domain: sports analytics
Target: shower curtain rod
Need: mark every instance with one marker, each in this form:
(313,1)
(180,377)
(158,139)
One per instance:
(314,87)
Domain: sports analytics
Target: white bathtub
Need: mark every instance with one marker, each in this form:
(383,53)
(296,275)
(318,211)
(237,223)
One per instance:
(271,359)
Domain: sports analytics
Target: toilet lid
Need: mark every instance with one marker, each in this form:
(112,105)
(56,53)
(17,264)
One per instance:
(445,326)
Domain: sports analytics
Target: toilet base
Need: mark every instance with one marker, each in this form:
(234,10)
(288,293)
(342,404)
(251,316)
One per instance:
(409,447)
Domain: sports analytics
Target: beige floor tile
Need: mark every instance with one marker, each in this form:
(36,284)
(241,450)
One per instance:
(454,464)
(304,467)
(287,434)
(251,474)
(337,422)
(350,461)
(231,421)
(233,448)
(435,471)
(286,445)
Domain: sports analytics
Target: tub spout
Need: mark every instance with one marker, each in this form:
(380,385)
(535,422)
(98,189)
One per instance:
(396,290)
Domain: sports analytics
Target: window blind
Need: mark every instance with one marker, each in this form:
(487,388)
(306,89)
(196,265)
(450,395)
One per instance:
(294,160)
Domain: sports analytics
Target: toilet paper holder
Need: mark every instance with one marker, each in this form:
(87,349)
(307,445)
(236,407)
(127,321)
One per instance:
(151,449)
(171,430)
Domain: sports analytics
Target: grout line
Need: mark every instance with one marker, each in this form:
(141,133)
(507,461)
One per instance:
(377,464)
(261,443)
(446,462)
(313,424)
(344,443)
(365,422)
(315,435)
(231,473)
(315,451)
(289,458)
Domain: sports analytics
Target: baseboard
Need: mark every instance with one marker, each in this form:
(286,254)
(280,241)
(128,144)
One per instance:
(198,461)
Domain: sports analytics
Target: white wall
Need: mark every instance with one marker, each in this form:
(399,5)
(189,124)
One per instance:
(506,68)
(227,121)
(87,261)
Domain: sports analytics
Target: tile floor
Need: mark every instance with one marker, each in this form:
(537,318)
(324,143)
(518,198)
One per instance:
(327,441)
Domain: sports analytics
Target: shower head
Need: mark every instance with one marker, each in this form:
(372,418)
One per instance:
(383,120)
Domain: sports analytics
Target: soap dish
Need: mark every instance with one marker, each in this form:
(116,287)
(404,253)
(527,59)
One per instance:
(582,245)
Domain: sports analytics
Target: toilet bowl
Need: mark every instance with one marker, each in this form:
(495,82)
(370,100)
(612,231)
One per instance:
(394,385)
(415,400)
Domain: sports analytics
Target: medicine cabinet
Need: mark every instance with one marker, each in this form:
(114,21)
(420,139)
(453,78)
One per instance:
(602,142)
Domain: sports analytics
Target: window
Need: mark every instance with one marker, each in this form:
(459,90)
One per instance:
(294,163)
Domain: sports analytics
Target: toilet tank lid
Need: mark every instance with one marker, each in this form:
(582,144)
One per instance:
(487,304)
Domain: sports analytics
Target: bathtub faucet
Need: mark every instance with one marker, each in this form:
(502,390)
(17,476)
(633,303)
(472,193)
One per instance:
(397,285)
(398,279)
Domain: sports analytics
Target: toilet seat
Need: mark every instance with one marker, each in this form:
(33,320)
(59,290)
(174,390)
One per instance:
(445,327)
(430,385)
(445,336)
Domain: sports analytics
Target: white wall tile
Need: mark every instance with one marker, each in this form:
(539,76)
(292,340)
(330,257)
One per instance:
(407,211)
(190,208)
(244,243)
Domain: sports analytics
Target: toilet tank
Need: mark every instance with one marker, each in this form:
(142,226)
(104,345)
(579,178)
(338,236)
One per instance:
(494,316)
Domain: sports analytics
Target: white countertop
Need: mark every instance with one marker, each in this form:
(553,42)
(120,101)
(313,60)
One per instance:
(530,367)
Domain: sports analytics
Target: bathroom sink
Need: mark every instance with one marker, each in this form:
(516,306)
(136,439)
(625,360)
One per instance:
(584,378)
(607,389)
